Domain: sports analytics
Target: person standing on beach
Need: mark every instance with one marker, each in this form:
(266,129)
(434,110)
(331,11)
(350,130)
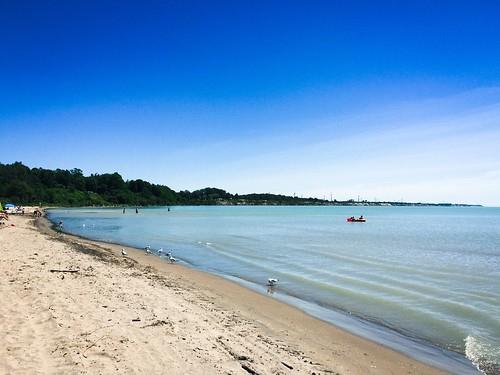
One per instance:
(123,209)
(136,210)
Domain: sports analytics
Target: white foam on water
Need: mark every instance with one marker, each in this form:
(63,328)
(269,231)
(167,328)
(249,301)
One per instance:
(485,356)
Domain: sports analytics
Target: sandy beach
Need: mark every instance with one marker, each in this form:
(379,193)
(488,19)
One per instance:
(137,314)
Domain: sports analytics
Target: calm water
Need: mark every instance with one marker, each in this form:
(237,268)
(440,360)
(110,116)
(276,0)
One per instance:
(425,280)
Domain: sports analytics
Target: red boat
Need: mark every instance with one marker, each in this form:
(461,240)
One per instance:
(354,220)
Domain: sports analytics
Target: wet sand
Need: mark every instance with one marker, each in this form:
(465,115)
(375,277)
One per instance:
(138,314)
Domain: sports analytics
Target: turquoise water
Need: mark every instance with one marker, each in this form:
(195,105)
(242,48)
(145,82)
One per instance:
(425,280)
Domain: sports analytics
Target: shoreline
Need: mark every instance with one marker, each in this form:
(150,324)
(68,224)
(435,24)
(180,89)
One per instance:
(315,346)
(428,350)
(412,347)
(430,354)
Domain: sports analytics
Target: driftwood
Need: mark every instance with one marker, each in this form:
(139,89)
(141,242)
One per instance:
(70,271)
(286,365)
(249,369)
(93,344)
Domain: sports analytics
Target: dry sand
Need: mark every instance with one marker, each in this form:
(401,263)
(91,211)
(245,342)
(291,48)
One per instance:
(140,315)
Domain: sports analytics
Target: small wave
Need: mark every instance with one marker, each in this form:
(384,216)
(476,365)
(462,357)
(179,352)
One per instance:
(204,243)
(485,356)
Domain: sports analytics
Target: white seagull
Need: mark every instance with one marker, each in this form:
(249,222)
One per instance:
(172,259)
(124,253)
(272,282)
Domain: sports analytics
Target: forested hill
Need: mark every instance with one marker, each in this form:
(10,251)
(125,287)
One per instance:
(20,184)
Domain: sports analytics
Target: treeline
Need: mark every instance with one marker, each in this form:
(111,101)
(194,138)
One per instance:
(22,185)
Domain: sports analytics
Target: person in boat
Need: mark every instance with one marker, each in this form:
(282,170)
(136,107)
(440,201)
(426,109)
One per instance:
(352,218)
(361,217)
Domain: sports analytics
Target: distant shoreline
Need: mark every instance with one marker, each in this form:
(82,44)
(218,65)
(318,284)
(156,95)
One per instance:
(70,188)
(348,203)
(328,204)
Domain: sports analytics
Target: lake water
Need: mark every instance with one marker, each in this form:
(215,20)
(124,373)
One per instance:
(423,280)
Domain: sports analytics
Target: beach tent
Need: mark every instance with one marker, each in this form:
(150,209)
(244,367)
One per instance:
(10,205)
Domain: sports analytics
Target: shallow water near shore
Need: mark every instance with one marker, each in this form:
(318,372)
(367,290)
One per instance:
(423,280)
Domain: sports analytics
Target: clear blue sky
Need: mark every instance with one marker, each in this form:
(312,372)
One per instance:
(379,99)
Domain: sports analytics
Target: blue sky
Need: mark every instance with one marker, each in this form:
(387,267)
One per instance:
(384,100)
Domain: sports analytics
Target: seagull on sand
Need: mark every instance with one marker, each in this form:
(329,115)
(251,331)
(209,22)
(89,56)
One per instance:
(124,253)
(172,259)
